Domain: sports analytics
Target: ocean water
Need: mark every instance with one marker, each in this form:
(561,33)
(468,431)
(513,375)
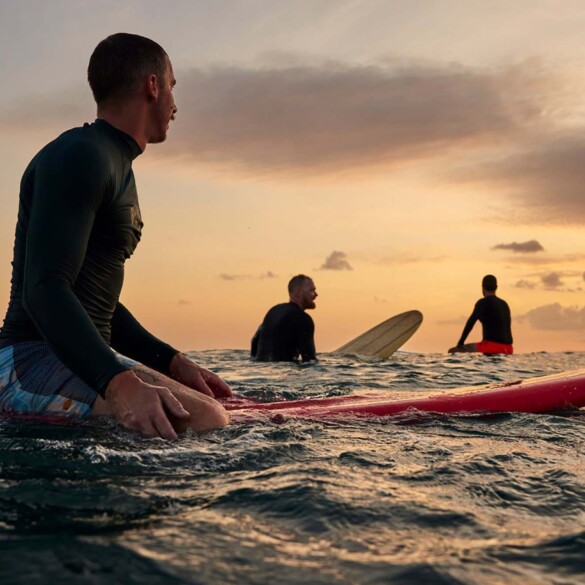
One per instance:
(494,499)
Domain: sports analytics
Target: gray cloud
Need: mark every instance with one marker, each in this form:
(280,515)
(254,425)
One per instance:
(330,116)
(528,247)
(525,284)
(320,117)
(554,317)
(336,261)
(552,280)
(545,181)
(60,111)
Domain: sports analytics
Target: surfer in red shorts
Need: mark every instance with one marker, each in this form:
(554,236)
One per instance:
(494,314)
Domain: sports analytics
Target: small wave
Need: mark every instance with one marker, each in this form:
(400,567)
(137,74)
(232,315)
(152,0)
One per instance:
(450,499)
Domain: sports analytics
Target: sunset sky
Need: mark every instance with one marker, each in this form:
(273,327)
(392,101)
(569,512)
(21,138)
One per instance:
(396,151)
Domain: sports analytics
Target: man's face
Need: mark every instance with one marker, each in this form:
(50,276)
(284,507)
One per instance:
(307,294)
(165,106)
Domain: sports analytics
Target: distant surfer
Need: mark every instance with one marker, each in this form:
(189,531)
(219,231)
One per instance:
(287,332)
(78,221)
(494,315)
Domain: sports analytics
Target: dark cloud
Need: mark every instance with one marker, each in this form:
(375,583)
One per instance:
(544,181)
(554,317)
(552,280)
(525,284)
(528,247)
(336,115)
(330,116)
(183,302)
(336,261)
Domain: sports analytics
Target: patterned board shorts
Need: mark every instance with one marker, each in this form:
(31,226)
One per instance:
(34,381)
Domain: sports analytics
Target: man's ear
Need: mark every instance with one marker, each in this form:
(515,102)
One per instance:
(152,87)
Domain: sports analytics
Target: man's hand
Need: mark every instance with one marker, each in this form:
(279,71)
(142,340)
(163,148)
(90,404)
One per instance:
(463,348)
(194,376)
(143,407)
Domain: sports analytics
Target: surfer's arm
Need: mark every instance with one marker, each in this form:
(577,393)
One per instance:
(254,343)
(131,339)
(469,325)
(69,189)
(306,339)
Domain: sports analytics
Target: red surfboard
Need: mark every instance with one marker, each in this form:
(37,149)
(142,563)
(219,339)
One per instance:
(537,395)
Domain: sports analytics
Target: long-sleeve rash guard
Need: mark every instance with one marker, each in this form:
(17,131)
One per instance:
(494,314)
(286,333)
(78,221)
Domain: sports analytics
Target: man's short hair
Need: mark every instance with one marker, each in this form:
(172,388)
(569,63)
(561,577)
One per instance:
(297,281)
(489,282)
(120,62)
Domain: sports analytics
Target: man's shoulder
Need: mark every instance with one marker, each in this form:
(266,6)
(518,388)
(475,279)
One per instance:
(493,301)
(82,145)
(281,308)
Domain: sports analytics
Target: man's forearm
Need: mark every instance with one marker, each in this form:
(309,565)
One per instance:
(131,339)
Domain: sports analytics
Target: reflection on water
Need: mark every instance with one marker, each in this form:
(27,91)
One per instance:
(498,499)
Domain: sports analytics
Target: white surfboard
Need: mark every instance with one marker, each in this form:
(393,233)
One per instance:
(384,339)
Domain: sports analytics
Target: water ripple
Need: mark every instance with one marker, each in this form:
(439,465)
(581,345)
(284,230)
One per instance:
(410,499)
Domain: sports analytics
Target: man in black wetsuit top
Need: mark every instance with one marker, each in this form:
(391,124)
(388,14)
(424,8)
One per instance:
(68,347)
(494,315)
(287,332)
